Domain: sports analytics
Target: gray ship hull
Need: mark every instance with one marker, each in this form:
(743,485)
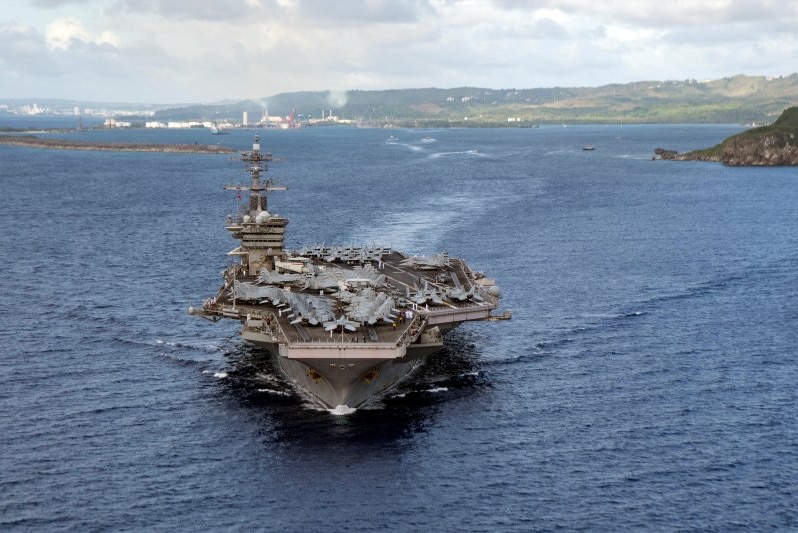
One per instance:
(343,375)
(335,384)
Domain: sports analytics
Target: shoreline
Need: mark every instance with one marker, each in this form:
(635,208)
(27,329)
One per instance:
(31,141)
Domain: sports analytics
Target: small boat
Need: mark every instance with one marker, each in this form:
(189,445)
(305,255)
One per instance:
(391,140)
(588,148)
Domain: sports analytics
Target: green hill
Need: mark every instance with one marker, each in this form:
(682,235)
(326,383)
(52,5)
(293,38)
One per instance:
(775,144)
(738,99)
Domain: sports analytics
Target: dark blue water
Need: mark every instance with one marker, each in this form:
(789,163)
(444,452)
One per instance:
(646,382)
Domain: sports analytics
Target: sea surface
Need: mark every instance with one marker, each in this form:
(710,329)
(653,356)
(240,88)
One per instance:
(647,381)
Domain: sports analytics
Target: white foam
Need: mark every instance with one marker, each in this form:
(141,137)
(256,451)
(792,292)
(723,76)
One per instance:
(635,157)
(272,391)
(439,389)
(220,375)
(422,228)
(342,410)
(438,155)
(192,346)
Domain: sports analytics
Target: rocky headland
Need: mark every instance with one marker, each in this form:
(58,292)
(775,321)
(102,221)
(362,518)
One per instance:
(60,144)
(772,145)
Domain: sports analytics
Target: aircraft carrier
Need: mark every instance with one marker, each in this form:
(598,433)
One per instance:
(345,323)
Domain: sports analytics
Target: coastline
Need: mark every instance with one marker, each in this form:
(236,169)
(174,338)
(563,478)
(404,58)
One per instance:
(59,144)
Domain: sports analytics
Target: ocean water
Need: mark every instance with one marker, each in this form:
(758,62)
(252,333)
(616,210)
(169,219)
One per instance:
(647,380)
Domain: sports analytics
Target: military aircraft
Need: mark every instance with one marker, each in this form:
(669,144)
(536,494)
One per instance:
(250,293)
(424,295)
(307,308)
(384,311)
(420,262)
(329,279)
(346,254)
(274,278)
(369,306)
(341,322)
(458,293)
(315,250)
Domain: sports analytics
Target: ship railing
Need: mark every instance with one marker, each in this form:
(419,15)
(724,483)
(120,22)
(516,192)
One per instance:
(468,304)
(352,338)
(229,276)
(466,276)
(269,324)
(233,271)
(410,334)
(333,342)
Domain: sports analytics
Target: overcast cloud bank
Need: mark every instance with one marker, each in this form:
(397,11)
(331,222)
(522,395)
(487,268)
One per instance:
(208,50)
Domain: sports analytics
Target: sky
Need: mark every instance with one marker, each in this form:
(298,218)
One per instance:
(204,51)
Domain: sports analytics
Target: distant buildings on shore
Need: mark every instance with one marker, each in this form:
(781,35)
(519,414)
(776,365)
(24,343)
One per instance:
(132,118)
(34,109)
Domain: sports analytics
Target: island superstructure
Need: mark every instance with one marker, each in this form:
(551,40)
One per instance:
(345,323)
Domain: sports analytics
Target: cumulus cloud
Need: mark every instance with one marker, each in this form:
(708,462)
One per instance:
(64,32)
(23,51)
(57,3)
(353,12)
(209,10)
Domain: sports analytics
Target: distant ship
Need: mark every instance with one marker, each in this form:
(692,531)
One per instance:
(345,323)
(216,130)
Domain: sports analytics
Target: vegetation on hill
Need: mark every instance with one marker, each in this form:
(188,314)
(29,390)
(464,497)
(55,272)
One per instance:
(774,144)
(738,99)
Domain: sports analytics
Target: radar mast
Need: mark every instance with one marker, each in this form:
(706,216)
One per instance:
(255,163)
(261,233)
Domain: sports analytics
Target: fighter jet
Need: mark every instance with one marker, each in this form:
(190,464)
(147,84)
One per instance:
(328,279)
(420,262)
(274,278)
(384,311)
(424,295)
(341,322)
(462,295)
(249,293)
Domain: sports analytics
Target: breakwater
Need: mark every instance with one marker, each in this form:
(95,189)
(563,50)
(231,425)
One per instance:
(60,144)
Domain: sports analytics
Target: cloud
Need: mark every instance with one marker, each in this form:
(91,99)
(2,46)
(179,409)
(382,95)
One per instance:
(82,64)
(338,12)
(356,12)
(210,10)
(57,3)
(182,50)
(22,50)
(64,32)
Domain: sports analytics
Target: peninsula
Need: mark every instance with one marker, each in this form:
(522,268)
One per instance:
(60,144)
(772,145)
